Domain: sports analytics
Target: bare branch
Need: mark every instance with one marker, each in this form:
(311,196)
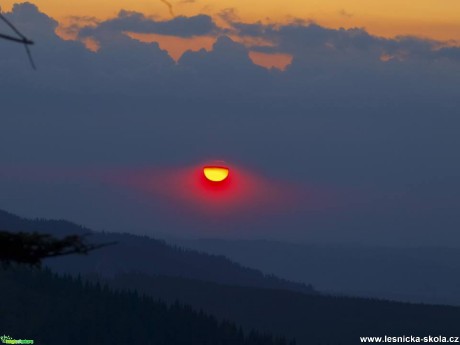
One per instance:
(21,39)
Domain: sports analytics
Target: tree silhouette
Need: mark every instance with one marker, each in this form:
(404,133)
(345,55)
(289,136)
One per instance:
(31,248)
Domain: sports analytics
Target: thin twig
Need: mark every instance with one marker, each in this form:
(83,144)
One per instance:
(29,55)
(15,39)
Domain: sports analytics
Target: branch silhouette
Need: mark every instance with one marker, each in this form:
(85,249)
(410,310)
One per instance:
(19,39)
(31,248)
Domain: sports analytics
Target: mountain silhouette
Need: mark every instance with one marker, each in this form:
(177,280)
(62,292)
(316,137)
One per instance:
(409,274)
(146,255)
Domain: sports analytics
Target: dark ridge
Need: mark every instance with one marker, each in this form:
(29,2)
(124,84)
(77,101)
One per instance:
(14,223)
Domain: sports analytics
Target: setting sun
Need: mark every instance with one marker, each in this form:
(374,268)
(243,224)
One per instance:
(215,173)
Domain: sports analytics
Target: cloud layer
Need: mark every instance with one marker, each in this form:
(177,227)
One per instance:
(137,22)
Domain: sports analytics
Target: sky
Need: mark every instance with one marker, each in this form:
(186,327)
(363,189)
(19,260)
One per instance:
(332,134)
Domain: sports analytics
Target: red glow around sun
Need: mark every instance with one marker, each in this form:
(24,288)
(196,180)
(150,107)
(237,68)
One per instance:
(213,190)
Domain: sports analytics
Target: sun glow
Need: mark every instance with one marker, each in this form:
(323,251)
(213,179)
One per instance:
(215,173)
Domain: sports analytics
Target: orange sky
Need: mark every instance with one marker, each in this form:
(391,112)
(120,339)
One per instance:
(176,46)
(438,19)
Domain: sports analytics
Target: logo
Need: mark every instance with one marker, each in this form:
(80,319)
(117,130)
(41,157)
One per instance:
(6,339)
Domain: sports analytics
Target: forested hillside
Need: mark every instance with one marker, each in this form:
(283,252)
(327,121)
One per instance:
(310,319)
(54,310)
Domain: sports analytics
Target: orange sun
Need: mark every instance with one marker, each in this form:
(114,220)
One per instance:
(215,173)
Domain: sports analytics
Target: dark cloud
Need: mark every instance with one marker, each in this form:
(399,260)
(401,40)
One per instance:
(307,39)
(449,52)
(139,23)
(32,21)
(226,55)
(374,143)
